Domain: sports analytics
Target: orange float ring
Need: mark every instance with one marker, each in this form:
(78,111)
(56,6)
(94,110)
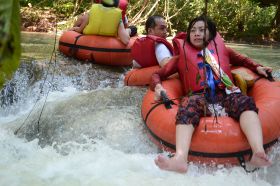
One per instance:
(140,77)
(96,49)
(212,142)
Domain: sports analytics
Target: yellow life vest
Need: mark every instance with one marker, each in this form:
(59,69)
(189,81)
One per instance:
(103,20)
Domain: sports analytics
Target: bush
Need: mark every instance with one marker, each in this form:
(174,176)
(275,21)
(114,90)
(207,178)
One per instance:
(65,8)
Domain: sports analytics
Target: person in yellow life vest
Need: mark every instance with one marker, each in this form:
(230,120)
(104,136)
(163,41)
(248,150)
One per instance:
(104,19)
(123,6)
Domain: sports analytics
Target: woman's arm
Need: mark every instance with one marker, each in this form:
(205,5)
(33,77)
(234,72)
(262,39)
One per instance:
(166,71)
(264,71)
(162,74)
(240,60)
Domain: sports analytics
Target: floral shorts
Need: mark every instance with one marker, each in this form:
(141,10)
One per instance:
(193,107)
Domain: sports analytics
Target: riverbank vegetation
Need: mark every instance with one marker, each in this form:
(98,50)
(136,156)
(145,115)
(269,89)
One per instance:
(245,20)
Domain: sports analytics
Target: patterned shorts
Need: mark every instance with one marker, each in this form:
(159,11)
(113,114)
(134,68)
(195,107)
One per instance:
(193,107)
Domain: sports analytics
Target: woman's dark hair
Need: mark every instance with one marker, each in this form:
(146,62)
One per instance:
(151,22)
(209,24)
(110,3)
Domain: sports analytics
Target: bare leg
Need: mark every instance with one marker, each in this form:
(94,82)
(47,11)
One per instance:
(251,126)
(178,163)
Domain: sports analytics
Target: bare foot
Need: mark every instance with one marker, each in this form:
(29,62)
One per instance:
(171,164)
(260,159)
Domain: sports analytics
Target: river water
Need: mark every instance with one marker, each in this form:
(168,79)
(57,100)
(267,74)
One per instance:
(77,124)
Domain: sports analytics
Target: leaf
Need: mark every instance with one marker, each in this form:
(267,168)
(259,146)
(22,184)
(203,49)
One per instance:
(10,49)
(198,77)
(190,93)
(226,80)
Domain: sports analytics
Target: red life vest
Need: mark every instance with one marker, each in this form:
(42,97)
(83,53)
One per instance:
(143,50)
(190,63)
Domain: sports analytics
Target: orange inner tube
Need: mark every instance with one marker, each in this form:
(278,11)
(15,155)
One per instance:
(96,49)
(212,142)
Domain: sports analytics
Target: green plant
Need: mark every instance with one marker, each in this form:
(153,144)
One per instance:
(9,39)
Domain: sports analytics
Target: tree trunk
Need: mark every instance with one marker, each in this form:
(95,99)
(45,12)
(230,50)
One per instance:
(276,20)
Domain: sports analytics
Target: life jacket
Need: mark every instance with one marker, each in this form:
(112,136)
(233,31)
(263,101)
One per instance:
(143,50)
(103,21)
(122,5)
(191,66)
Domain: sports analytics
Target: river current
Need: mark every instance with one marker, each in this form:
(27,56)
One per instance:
(77,124)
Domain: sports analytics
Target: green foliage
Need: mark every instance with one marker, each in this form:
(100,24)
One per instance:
(260,23)
(181,20)
(64,7)
(265,3)
(242,18)
(234,18)
(179,12)
(9,39)
(42,3)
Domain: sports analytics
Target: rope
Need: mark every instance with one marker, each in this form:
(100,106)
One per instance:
(53,55)
(204,62)
(206,7)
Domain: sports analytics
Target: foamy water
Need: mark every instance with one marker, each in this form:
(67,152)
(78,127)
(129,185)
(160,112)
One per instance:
(96,163)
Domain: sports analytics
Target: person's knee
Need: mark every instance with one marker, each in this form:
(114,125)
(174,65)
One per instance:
(239,104)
